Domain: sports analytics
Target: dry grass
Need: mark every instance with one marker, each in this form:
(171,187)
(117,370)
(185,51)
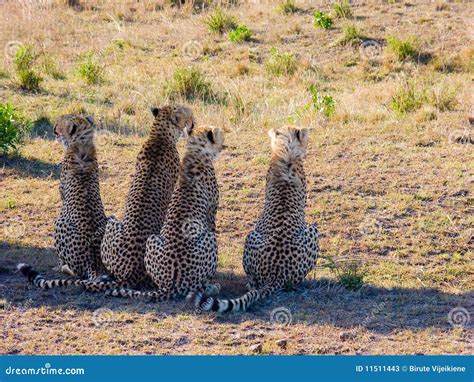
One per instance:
(391,190)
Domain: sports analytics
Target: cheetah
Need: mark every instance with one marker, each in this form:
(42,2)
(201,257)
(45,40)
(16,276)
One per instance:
(282,249)
(157,167)
(81,224)
(183,257)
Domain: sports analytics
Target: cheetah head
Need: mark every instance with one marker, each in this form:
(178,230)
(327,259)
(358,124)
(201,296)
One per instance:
(74,128)
(207,140)
(180,118)
(289,143)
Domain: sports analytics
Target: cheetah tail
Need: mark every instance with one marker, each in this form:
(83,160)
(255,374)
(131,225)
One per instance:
(136,294)
(203,302)
(40,281)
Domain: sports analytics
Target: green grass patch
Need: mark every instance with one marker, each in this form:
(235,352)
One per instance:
(89,70)
(280,64)
(322,20)
(351,34)
(342,9)
(287,7)
(407,99)
(240,34)
(13,128)
(220,22)
(402,48)
(25,60)
(191,84)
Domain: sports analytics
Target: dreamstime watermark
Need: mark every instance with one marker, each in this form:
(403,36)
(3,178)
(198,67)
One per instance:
(192,49)
(11,318)
(11,48)
(103,317)
(192,228)
(370,49)
(15,228)
(370,226)
(45,370)
(459,317)
(281,316)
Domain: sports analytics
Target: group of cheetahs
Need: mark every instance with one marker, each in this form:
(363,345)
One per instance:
(165,247)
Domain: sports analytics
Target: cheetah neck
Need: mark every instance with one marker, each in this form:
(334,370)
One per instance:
(287,171)
(81,158)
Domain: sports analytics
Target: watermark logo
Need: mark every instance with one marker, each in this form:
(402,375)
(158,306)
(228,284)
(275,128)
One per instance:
(15,228)
(192,228)
(192,49)
(370,226)
(459,317)
(102,317)
(11,48)
(370,49)
(281,316)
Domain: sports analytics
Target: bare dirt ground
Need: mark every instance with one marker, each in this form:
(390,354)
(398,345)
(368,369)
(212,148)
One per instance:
(392,191)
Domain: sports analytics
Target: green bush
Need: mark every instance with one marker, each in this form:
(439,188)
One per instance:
(349,274)
(443,97)
(25,59)
(287,7)
(241,33)
(322,103)
(351,34)
(89,70)
(322,20)
(407,99)
(13,128)
(190,84)
(280,64)
(403,49)
(220,22)
(342,9)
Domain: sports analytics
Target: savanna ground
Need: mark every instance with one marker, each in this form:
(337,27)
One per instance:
(391,190)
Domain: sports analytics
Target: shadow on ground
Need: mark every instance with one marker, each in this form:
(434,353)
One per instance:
(30,167)
(321,301)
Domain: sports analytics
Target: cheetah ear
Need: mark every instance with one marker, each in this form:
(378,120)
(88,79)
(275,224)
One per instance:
(90,119)
(217,136)
(210,136)
(272,134)
(302,135)
(155,111)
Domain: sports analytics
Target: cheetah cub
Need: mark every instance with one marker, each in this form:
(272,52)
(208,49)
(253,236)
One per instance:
(283,248)
(80,227)
(183,257)
(156,172)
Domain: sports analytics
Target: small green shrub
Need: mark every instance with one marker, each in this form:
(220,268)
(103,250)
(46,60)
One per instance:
(350,273)
(3,73)
(403,49)
(51,69)
(322,20)
(89,70)
(220,22)
(9,203)
(190,84)
(351,34)
(241,33)
(121,44)
(287,7)
(342,9)
(322,103)
(280,64)
(25,59)
(13,128)
(407,99)
(442,97)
